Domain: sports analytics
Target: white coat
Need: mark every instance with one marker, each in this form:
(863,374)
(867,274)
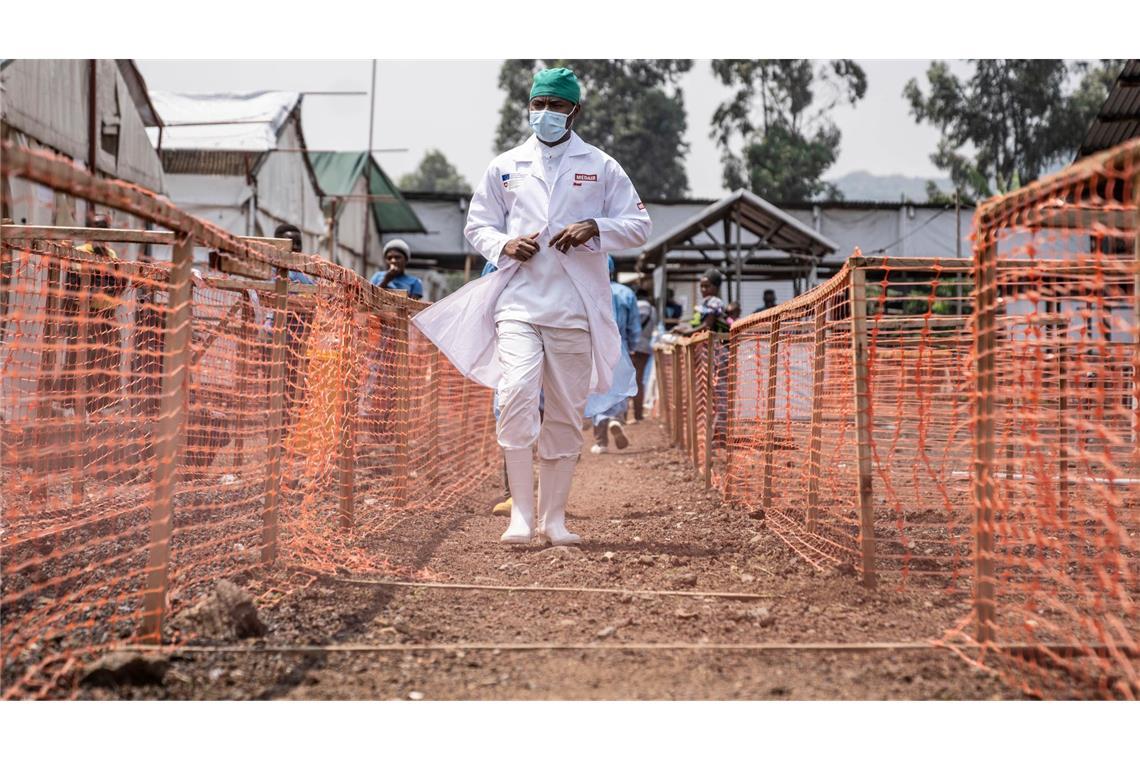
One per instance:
(514,198)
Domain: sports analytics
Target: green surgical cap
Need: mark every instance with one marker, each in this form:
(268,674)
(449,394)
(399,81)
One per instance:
(560,83)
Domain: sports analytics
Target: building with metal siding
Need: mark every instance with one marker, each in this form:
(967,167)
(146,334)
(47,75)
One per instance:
(889,229)
(49,104)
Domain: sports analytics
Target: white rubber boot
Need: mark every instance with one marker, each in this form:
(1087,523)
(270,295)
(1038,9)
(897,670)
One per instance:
(520,475)
(554,476)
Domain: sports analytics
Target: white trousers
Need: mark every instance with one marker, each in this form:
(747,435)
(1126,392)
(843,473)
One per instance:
(555,362)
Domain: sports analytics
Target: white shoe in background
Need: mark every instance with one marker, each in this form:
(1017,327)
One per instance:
(618,432)
(598,449)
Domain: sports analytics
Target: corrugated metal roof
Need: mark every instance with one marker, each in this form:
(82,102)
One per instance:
(223,162)
(778,230)
(1119,117)
(337,172)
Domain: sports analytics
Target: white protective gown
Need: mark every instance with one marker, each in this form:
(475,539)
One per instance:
(515,198)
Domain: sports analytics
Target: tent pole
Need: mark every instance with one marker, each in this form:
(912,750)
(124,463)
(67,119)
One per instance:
(739,261)
(368,175)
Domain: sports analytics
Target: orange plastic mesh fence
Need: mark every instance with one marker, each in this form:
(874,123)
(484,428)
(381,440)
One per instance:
(965,429)
(786,435)
(286,423)
(1056,484)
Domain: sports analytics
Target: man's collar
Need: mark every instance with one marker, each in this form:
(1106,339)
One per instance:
(575,146)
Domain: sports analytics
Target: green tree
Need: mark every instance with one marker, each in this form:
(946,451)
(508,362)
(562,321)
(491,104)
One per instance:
(775,137)
(1010,121)
(435,174)
(631,109)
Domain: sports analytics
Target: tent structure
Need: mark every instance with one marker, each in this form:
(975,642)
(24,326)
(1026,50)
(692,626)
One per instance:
(363,204)
(240,160)
(745,237)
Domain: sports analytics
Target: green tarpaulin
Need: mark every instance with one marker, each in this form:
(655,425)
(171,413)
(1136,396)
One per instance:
(337,172)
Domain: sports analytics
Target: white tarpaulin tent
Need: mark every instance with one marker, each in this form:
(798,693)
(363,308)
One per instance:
(239,159)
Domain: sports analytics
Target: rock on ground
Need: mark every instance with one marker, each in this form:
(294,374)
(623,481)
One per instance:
(125,669)
(225,614)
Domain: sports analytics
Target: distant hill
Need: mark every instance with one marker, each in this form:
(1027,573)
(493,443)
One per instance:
(864,186)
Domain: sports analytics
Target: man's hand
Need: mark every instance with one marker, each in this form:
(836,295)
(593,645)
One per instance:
(388,276)
(521,248)
(576,234)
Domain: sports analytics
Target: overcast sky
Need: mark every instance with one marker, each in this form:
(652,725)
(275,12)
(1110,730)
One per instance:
(453,106)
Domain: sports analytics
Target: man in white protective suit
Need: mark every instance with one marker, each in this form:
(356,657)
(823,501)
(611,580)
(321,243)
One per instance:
(545,213)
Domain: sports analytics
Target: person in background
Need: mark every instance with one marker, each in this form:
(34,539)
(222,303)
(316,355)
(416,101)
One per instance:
(298,325)
(732,313)
(673,309)
(103,354)
(395,277)
(609,422)
(643,350)
(769,300)
(709,313)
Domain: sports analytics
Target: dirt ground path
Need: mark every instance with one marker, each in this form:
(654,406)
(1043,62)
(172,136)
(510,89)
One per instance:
(649,525)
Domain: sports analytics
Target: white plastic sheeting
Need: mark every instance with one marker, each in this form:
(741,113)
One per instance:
(270,130)
(191,119)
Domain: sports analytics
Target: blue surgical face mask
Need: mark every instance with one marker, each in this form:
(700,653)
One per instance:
(550,126)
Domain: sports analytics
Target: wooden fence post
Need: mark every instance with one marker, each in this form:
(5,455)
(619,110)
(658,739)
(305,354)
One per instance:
(863,423)
(403,406)
(349,400)
(81,365)
(691,404)
(770,413)
(678,388)
(46,385)
(435,391)
(169,439)
(710,404)
(245,336)
(985,345)
(815,446)
(275,433)
(662,409)
(729,417)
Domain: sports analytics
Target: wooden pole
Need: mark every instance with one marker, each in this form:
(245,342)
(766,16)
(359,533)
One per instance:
(729,418)
(275,433)
(710,404)
(46,387)
(403,407)
(1062,332)
(677,388)
(985,345)
(169,439)
(245,336)
(815,447)
(349,399)
(659,402)
(82,369)
(858,287)
(6,266)
(770,413)
(691,404)
(1136,319)
(436,395)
